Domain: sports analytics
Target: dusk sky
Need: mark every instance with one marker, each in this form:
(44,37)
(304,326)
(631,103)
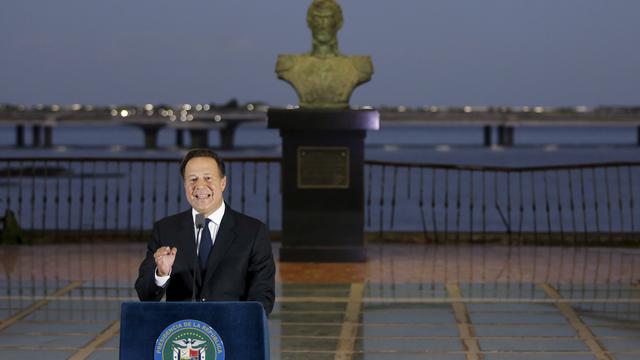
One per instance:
(435,52)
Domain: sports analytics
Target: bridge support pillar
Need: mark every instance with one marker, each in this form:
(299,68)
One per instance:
(638,136)
(505,135)
(487,135)
(35,135)
(179,138)
(151,136)
(227,135)
(199,138)
(20,135)
(48,136)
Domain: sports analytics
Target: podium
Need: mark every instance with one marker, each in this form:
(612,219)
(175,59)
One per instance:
(156,330)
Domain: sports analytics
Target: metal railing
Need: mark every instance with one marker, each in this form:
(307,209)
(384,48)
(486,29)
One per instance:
(573,205)
(81,210)
(120,197)
(577,204)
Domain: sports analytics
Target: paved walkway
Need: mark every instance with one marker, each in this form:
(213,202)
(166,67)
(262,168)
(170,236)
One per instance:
(406,302)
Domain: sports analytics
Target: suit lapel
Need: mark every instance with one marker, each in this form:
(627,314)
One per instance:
(187,243)
(188,236)
(224,239)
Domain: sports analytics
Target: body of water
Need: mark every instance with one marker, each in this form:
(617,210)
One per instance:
(448,196)
(407,142)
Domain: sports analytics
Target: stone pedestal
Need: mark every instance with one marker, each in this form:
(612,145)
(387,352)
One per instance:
(323,182)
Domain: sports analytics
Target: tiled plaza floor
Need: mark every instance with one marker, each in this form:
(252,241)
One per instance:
(406,302)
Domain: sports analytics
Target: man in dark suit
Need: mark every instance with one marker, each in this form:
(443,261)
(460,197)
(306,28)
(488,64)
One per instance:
(231,259)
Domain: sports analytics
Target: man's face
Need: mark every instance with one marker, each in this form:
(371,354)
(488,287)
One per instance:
(324,27)
(203,184)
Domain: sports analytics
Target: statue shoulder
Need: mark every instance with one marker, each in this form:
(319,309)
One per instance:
(363,64)
(285,62)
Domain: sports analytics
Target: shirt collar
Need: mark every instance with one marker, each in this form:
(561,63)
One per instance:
(216,216)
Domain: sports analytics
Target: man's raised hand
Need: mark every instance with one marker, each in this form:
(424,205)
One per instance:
(165,256)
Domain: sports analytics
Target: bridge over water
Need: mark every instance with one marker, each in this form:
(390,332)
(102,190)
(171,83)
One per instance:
(498,126)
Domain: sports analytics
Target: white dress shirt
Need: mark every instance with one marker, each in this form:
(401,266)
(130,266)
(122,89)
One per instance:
(214,225)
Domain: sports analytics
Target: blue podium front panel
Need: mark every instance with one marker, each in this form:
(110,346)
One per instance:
(237,330)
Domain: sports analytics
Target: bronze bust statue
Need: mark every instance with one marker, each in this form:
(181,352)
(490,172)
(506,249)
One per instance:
(324,78)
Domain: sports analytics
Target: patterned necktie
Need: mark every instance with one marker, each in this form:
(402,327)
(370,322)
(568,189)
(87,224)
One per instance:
(205,246)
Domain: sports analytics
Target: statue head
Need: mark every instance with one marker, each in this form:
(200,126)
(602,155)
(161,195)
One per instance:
(324,18)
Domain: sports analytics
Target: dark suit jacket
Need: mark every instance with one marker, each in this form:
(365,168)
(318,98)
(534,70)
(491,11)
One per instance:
(240,266)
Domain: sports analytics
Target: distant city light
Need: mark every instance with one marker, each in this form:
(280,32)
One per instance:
(186,107)
(217,118)
(189,117)
(433,108)
(467,109)
(538,109)
(148,107)
(76,107)
(198,107)
(114,112)
(402,108)
(124,113)
(206,107)
(525,109)
(250,107)
(53,107)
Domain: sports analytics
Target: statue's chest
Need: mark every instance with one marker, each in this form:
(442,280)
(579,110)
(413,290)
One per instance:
(326,79)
